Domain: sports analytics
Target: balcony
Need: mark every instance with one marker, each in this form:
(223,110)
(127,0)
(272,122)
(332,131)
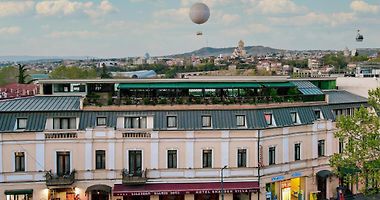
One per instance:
(54,180)
(137,177)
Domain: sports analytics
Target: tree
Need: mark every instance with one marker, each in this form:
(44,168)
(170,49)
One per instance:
(360,134)
(105,73)
(64,72)
(22,74)
(7,75)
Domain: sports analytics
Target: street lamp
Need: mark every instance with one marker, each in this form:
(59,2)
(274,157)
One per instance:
(221,180)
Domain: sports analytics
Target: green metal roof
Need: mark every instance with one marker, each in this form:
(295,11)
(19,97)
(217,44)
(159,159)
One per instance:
(275,85)
(189,85)
(342,96)
(41,103)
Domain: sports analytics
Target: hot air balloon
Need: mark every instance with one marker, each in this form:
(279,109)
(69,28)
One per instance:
(199,14)
(359,37)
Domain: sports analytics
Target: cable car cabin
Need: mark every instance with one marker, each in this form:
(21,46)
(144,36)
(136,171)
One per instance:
(199,33)
(359,38)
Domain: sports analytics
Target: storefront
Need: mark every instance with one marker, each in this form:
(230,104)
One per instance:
(19,194)
(99,192)
(177,191)
(286,189)
(62,194)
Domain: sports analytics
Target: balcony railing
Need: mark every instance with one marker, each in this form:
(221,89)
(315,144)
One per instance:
(136,177)
(59,180)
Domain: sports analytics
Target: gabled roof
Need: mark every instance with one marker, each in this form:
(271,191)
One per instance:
(342,96)
(41,103)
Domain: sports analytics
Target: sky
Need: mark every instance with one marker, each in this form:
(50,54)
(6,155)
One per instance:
(123,28)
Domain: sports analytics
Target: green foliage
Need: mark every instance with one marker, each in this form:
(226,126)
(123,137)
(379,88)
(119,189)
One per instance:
(336,60)
(359,58)
(22,74)
(361,154)
(7,75)
(104,74)
(64,72)
(297,63)
(293,91)
(273,92)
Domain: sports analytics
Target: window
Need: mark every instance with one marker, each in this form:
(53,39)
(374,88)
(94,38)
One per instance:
(21,123)
(63,163)
(101,121)
(242,158)
(135,162)
(171,121)
(19,161)
(64,123)
(341,146)
(240,120)
(207,158)
(317,114)
(272,155)
(294,117)
(172,158)
(206,121)
(135,122)
(100,159)
(297,151)
(269,119)
(321,148)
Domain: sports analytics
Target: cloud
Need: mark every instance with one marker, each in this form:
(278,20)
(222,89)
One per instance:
(11,8)
(313,18)
(179,14)
(273,6)
(68,7)
(211,3)
(10,30)
(362,6)
(248,30)
(72,34)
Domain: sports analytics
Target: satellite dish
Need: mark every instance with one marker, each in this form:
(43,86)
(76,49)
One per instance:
(359,37)
(199,13)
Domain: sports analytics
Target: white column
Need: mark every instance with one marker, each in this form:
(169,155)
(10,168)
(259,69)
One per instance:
(189,172)
(40,152)
(154,151)
(111,154)
(329,143)
(225,149)
(190,149)
(1,160)
(314,141)
(285,146)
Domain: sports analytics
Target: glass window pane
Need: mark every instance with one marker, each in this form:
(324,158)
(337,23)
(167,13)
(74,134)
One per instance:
(240,120)
(56,123)
(206,121)
(143,122)
(21,123)
(64,123)
(73,123)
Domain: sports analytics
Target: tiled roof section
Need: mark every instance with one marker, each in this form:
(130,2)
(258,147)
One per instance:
(41,103)
(341,97)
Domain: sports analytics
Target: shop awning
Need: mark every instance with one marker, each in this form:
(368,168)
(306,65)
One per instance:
(187,85)
(324,173)
(184,188)
(16,192)
(280,84)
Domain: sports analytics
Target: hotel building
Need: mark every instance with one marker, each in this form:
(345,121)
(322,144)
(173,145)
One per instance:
(173,139)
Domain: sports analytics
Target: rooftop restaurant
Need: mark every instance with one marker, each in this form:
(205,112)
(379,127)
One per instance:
(101,92)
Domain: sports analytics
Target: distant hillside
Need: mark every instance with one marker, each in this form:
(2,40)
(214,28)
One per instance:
(209,51)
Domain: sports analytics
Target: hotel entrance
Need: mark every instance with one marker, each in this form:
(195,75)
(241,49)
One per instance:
(291,189)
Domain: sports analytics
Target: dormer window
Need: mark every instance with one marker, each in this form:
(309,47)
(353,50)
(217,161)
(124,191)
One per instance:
(135,122)
(21,123)
(269,119)
(206,121)
(101,121)
(295,118)
(240,120)
(65,123)
(318,114)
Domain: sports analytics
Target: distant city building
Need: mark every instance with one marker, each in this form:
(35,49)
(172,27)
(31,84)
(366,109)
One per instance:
(346,52)
(107,64)
(313,63)
(135,74)
(240,51)
(139,61)
(15,90)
